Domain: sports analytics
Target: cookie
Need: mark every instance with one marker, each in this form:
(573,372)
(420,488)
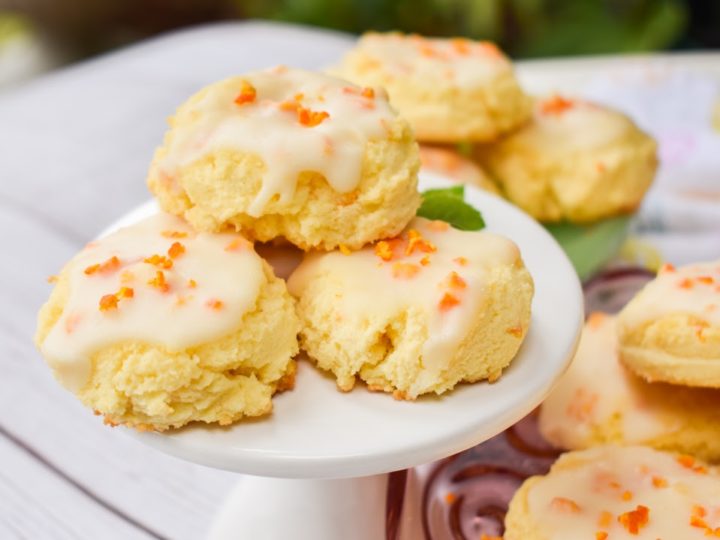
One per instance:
(616,493)
(575,161)
(451,90)
(289,153)
(450,164)
(415,314)
(599,401)
(155,326)
(670,331)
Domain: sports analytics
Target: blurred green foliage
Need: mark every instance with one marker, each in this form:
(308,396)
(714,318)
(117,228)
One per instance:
(522,27)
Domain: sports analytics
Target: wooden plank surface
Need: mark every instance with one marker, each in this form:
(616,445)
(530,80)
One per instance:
(74,148)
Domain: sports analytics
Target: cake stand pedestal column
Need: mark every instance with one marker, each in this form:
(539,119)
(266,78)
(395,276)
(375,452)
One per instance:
(262,508)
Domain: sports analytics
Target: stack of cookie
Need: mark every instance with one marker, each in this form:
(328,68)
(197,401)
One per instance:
(558,158)
(178,319)
(649,377)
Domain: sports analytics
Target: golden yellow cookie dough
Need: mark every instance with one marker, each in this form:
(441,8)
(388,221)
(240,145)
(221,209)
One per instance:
(599,401)
(617,493)
(451,90)
(289,153)
(670,331)
(416,314)
(127,368)
(575,161)
(449,163)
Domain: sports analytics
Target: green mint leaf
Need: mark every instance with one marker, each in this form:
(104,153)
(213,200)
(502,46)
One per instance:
(449,205)
(455,191)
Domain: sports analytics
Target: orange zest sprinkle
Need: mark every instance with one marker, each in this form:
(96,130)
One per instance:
(439,225)
(344,249)
(462,261)
(160,261)
(159,282)
(383,250)
(247,94)
(214,304)
(686,461)
(666,268)
(368,92)
(174,234)
(707,280)
(686,283)
(416,241)
(605,519)
(700,523)
(601,535)
(454,281)
(565,505)
(405,270)
(460,45)
(596,319)
(659,482)
(448,302)
(176,250)
(556,105)
(634,520)
(126,292)
(235,245)
(110,265)
(484,536)
(425,260)
(290,106)
(310,118)
(699,511)
(52,279)
(516,331)
(450,497)
(490,49)
(627,496)
(192,283)
(108,302)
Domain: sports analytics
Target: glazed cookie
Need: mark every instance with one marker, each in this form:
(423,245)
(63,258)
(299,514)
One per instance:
(599,401)
(670,331)
(617,493)
(451,90)
(289,153)
(156,326)
(574,161)
(418,313)
(449,163)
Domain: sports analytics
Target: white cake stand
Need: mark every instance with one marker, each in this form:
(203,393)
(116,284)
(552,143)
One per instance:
(318,464)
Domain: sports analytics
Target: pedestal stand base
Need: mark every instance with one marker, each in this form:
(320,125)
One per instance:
(275,508)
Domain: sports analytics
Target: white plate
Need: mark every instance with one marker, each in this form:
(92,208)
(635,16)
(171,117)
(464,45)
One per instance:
(315,431)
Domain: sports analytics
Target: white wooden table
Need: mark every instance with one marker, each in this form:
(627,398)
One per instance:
(74,149)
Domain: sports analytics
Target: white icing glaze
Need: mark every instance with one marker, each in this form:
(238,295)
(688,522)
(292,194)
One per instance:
(269,127)
(692,290)
(597,481)
(462,62)
(562,125)
(596,388)
(224,268)
(381,289)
